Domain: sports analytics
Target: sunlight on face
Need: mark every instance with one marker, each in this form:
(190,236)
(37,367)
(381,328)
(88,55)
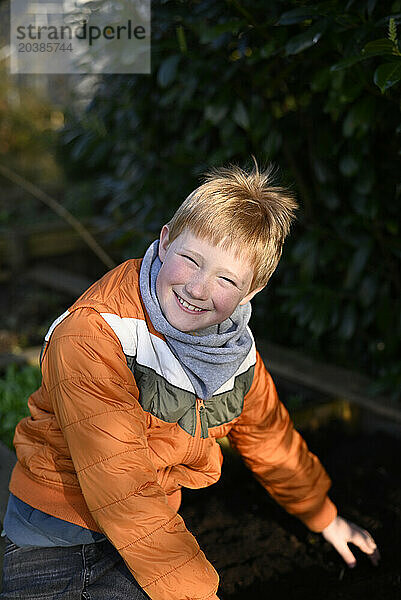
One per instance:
(199,284)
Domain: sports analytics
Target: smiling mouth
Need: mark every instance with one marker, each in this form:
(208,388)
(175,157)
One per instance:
(188,306)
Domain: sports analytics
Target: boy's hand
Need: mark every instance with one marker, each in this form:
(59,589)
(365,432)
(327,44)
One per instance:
(340,532)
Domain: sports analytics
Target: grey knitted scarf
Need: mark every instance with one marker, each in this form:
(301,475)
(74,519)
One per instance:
(211,356)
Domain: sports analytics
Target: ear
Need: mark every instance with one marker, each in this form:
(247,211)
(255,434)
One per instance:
(163,242)
(249,296)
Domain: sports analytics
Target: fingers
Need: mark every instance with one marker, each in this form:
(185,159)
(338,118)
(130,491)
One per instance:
(347,555)
(341,532)
(375,557)
(366,543)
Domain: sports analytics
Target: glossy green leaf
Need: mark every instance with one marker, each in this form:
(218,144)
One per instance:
(181,38)
(348,165)
(272,143)
(348,323)
(240,115)
(320,170)
(167,70)
(210,33)
(387,75)
(305,40)
(297,15)
(367,291)
(359,118)
(357,264)
(378,48)
(347,62)
(215,114)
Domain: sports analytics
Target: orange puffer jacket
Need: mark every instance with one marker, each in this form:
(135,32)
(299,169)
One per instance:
(116,430)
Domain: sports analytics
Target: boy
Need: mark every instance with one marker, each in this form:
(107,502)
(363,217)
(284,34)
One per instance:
(140,377)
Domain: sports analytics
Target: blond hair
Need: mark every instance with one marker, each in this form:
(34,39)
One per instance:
(242,212)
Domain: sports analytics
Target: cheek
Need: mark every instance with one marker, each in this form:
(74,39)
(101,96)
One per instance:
(172,273)
(226,301)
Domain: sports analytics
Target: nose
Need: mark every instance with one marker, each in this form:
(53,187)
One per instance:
(197,287)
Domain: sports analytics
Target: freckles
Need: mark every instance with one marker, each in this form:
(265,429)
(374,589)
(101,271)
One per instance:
(175,272)
(226,302)
(178,274)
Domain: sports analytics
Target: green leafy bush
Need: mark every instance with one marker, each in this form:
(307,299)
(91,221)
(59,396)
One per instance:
(15,387)
(312,86)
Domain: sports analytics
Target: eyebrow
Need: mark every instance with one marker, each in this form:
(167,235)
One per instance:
(239,282)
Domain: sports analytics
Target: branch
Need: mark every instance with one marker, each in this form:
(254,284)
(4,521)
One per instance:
(61,212)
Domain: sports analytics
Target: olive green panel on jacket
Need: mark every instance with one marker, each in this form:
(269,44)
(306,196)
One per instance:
(175,405)
(225,407)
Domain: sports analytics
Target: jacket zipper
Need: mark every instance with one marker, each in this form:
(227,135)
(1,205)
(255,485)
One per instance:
(200,405)
(201,431)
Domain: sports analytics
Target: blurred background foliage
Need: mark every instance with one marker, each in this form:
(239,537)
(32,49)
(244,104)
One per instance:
(312,86)
(28,139)
(28,124)
(27,132)
(15,386)
(31,117)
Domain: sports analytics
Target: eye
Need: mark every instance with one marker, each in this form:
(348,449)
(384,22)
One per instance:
(189,258)
(229,281)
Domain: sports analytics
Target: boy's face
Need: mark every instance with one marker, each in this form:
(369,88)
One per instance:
(199,284)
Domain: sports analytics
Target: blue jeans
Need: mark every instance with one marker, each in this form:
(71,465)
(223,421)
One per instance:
(88,572)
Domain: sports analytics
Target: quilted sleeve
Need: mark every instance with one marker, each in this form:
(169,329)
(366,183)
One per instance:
(95,402)
(278,456)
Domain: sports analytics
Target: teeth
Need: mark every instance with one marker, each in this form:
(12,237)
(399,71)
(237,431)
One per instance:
(188,306)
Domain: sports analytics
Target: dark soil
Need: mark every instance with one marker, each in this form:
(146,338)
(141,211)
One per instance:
(261,552)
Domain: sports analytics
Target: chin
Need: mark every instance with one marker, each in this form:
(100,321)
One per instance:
(184,326)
